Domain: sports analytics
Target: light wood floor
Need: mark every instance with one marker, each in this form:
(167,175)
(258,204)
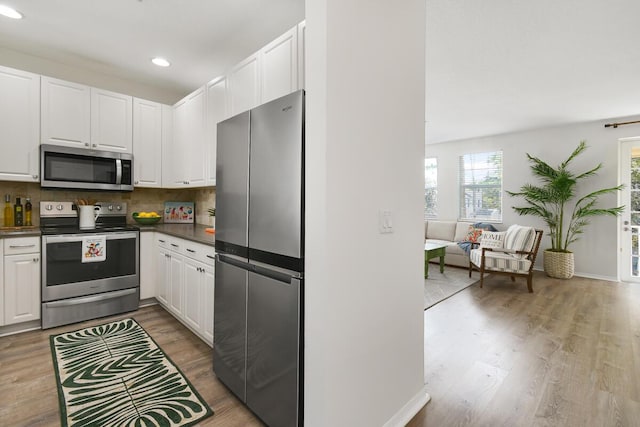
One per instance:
(566,355)
(28,395)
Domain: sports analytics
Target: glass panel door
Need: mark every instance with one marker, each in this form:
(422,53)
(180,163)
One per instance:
(630,220)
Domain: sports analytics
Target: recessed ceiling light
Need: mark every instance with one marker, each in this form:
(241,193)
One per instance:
(9,12)
(161,62)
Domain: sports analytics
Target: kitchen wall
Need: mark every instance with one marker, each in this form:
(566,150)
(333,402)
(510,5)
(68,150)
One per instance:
(141,199)
(597,250)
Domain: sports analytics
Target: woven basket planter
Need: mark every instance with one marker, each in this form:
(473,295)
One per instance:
(558,264)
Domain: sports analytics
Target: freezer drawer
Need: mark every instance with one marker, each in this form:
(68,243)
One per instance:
(229,340)
(273,349)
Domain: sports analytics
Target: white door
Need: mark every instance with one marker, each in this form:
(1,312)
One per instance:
(630,220)
(244,85)
(21,288)
(65,110)
(216,111)
(147,143)
(111,121)
(280,66)
(194,147)
(193,272)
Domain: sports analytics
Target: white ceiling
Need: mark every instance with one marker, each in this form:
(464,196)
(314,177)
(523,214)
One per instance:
(497,66)
(492,66)
(201,38)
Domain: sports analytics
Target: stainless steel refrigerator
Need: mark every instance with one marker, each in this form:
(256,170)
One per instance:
(259,274)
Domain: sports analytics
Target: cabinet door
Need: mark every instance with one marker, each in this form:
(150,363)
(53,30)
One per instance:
(193,283)
(65,110)
(167,146)
(21,288)
(216,112)
(302,37)
(244,85)
(208,294)
(148,257)
(176,156)
(19,125)
(176,278)
(164,280)
(194,147)
(280,66)
(111,121)
(147,143)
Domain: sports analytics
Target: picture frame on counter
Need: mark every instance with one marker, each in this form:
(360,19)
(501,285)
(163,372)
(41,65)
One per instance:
(179,212)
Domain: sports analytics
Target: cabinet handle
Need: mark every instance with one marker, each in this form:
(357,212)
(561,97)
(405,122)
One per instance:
(137,182)
(36,259)
(211,257)
(191,250)
(95,145)
(21,246)
(86,144)
(174,245)
(167,256)
(35,176)
(161,241)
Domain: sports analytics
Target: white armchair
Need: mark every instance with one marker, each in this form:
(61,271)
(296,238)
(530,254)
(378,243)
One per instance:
(512,253)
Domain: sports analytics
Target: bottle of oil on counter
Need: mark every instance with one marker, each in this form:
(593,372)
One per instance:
(27,212)
(17,213)
(8,211)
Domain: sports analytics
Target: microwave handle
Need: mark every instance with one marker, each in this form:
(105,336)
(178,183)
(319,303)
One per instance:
(118,171)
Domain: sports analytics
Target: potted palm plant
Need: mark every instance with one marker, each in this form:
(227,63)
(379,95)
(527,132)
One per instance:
(552,200)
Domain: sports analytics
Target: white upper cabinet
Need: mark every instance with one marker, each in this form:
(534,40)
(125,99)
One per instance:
(217,110)
(167,145)
(147,143)
(75,115)
(302,38)
(65,116)
(244,85)
(19,125)
(187,155)
(280,66)
(111,121)
(195,143)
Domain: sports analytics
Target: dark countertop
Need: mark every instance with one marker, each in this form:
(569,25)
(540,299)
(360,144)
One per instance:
(19,231)
(195,233)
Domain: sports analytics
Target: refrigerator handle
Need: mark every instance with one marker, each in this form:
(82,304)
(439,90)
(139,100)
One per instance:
(233,260)
(263,271)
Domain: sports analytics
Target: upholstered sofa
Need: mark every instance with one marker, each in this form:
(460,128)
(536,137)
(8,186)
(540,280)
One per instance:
(449,233)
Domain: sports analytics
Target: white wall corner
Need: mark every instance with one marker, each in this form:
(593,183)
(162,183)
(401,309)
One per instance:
(409,410)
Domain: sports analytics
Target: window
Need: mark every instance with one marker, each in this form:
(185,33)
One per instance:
(430,187)
(481,186)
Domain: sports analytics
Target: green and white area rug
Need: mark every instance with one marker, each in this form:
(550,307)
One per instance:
(116,375)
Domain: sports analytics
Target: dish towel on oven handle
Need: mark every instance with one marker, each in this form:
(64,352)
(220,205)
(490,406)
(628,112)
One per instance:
(94,248)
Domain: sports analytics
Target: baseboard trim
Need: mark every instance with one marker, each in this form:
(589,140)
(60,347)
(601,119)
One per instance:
(410,409)
(586,275)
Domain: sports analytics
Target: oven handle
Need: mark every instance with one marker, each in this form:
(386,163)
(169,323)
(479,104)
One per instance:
(94,298)
(79,237)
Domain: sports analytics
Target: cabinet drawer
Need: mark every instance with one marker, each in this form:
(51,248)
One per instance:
(199,252)
(21,245)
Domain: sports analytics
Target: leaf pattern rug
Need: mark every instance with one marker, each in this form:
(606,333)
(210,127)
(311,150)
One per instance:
(116,375)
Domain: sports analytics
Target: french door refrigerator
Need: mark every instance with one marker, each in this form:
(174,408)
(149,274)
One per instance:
(258,303)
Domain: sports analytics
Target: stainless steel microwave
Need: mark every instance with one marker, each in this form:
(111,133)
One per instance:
(67,167)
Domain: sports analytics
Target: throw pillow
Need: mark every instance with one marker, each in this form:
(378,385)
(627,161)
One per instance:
(492,239)
(520,238)
(473,235)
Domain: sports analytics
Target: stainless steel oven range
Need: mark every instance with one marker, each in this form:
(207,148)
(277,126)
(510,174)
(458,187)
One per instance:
(87,273)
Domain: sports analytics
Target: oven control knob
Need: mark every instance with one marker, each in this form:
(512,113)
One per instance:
(119,207)
(49,207)
(60,207)
(110,207)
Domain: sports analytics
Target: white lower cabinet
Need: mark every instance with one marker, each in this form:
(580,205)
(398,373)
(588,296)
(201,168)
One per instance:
(185,282)
(21,279)
(148,276)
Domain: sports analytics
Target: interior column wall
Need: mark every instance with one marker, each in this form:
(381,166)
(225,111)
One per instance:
(364,361)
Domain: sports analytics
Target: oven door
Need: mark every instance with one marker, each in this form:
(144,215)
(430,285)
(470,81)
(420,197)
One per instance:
(65,275)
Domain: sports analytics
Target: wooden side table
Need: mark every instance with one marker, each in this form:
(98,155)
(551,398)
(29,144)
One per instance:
(433,250)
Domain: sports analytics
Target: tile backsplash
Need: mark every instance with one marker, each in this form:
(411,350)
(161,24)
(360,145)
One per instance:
(140,199)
